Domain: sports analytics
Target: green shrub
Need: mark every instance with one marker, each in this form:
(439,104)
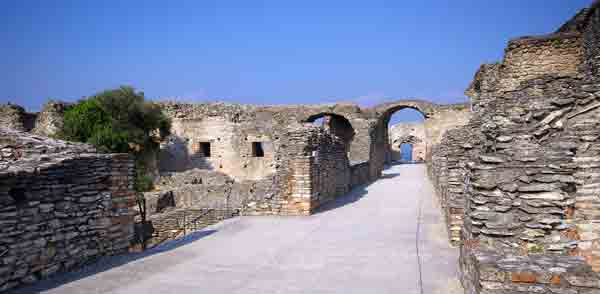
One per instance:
(117,121)
(143,182)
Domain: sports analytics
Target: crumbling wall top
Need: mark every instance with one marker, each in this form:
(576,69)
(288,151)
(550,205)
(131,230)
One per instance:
(25,151)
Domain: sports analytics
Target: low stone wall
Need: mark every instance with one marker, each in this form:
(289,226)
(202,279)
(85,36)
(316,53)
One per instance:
(489,272)
(61,206)
(175,223)
(359,174)
(447,170)
(202,188)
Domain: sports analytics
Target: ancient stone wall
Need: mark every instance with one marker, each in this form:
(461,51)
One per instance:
(528,58)
(408,133)
(50,120)
(438,120)
(221,141)
(529,171)
(61,205)
(446,117)
(15,117)
(263,185)
(330,168)
(447,170)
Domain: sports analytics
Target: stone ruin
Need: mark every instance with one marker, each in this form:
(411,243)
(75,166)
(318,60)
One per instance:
(519,183)
(516,170)
(46,122)
(277,159)
(62,205)
(408,133)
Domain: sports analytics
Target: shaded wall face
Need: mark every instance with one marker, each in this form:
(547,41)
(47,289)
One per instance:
(591,41)
(330,168)
(341,128)
(362,141)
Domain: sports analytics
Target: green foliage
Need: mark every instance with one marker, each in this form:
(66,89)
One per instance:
(143,183)
(117,120)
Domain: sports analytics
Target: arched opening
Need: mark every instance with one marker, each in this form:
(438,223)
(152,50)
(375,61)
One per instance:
(406,148)
(336,125)
(405,138)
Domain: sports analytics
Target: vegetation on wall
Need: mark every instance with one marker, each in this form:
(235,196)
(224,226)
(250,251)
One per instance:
(118,121)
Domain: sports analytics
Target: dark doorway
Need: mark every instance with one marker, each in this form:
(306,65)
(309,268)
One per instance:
(205,148)
(257,149)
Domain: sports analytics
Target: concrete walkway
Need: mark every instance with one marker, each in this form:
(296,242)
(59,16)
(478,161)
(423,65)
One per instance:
(363,243)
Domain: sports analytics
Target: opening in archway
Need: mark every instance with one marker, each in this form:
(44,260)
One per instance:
(406,152)
(337,125)
(406,138)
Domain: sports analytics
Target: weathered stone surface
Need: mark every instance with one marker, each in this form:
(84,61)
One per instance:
(550,196)
(63,201)
(490,159)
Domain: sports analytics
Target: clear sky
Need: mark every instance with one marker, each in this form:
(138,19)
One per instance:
(263,52)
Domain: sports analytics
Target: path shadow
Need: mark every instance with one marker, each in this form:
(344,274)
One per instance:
(388,176)
(106,263)
(354,195)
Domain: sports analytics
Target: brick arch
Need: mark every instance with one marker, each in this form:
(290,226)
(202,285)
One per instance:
(386,110)
(337,124)
(314,117)
(383,113)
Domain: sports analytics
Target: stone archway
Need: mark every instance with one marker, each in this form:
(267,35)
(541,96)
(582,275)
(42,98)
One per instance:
(384,112)
(337,125)
(418,148)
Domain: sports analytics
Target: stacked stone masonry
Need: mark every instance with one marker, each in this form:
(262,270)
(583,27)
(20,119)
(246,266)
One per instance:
(516,170)
(304,165)
(408,133)
(525,167)
(62,205)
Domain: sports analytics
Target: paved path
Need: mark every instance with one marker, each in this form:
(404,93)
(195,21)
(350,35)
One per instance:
(364,243)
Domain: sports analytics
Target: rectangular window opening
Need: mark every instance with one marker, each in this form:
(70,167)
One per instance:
(257,149)
(205,149)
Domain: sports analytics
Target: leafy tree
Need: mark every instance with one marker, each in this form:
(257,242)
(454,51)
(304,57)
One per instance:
(118,120)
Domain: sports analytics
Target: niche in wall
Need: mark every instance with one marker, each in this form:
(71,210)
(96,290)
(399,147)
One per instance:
(201,148)
(257,149)
(18,196)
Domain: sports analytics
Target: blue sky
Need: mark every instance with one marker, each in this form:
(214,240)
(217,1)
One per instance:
(263,52)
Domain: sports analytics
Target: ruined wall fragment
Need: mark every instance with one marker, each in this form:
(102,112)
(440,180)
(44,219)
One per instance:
(62,205)
(408,133)
(15,117)
(51,119)
(529,177)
